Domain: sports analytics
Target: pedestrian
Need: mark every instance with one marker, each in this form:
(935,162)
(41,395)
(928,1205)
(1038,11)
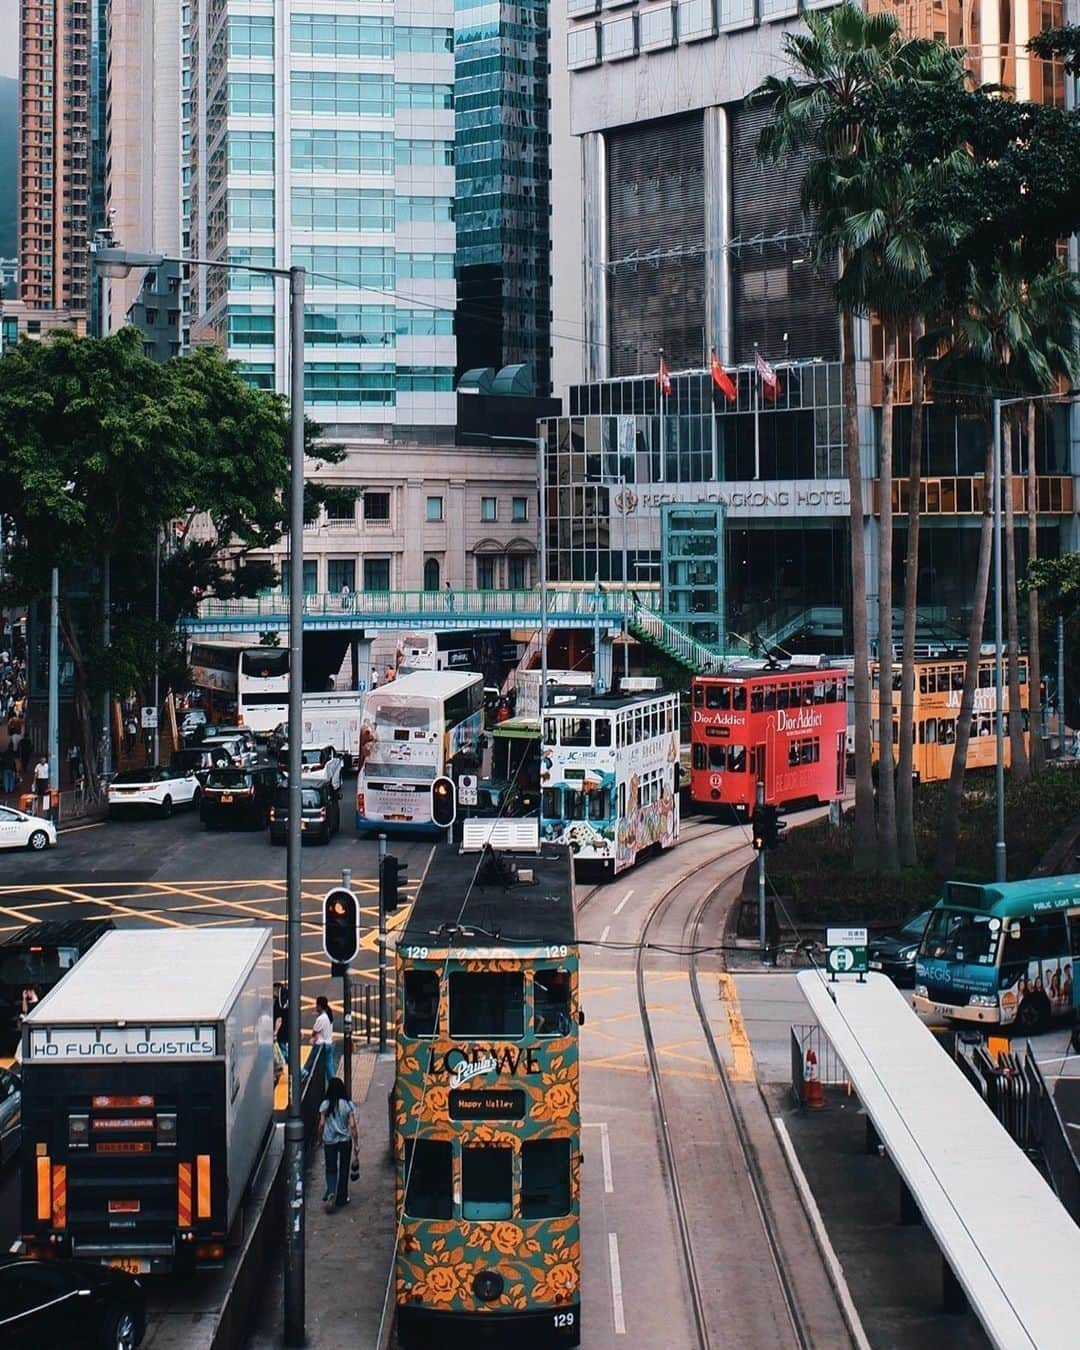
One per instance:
(41,781)
(7,767)
(281,1019)
(339,1136)
(74,759)
(132,734)
(345,594)
(322,1033)
(449,598)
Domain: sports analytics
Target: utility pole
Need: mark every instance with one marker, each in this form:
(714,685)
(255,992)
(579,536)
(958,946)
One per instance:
(382,950)
(346,1001)
(106,637)
(1061,684)
(999,680)
(157,647)
(760,802)
(541,455)
(54,696)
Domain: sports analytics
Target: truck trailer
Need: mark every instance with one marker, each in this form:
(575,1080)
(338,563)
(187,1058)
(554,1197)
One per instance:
(147,1098)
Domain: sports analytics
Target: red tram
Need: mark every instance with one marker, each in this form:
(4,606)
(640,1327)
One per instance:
(785,725)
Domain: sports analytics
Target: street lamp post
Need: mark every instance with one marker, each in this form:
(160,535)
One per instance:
(110,260)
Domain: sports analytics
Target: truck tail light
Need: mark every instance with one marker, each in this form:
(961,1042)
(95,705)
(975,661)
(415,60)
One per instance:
(202,1206)
(124,1206)
(78,1131)
(183,1195)
(273,813)
(210,1251)
(44,1187)
(165,1129)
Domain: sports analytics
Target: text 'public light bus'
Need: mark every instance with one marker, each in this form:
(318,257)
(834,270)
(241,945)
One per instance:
(939,686)
(785,726)
(250,684)
(609,778)
(411,731)
(1001,954)
(485,1110)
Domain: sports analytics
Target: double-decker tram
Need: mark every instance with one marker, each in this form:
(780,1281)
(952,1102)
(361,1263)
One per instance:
(485,1109)
(609,778)
(783,725)
(939,687)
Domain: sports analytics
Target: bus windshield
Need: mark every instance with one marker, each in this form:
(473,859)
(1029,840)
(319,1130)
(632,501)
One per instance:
(961,935)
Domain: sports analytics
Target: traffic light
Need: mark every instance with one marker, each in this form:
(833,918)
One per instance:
(393,877)
(766,824)
(341,925)
(443,802)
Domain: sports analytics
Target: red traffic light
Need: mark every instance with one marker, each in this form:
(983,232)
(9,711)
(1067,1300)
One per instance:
(443,802)
(341,925)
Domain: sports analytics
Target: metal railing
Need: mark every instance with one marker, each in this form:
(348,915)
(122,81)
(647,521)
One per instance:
(430,605)
(807,1036)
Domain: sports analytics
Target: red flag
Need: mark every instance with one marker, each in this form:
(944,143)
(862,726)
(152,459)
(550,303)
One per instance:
(663,378)
(723,380)
(770,381)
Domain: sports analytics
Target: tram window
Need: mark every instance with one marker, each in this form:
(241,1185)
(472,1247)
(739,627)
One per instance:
(429,1167)
(654,721)
(602,731)
(841,692)
(551,1003)
(487,1182)
(925,680)
(699,695)
(421,1002)
(897,681)
(811,751)
(957,678)
(1074,934)
(931,731)
(716,757)
(576,731)
(551,806)
(597,805)
(832,691)
(737,759)
(639,727)
(807,694)
(783,695)
(622,800)
(819,693)
(947,731)
(757,700)
(551,730)
(669,717)
(793,754)
(545,1178)
(718,696)
(738,698)
(985,677)
(874,679)
(487,1003)
(1023,672)
(770,698)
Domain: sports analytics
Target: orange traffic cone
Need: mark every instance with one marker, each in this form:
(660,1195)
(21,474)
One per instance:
(813,1093)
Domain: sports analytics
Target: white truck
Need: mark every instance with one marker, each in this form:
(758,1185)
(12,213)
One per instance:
(147,1097)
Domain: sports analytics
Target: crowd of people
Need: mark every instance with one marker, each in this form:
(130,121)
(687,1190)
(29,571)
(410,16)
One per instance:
(16,748)
(12,685)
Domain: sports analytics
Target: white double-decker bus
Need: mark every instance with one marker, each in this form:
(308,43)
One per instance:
(249,683)
(410,732)
(609,778)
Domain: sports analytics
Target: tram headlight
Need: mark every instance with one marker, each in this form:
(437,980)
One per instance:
(488,1285)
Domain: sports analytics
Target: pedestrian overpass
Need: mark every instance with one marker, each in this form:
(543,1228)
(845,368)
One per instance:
(1005,1239)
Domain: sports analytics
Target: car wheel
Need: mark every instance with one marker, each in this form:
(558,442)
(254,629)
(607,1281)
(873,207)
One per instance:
(121,1330)
(38,841)
(166,808)
(196,799)
(1033,1015)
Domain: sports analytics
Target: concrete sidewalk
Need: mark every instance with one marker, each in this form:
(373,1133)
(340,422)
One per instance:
(349,1252)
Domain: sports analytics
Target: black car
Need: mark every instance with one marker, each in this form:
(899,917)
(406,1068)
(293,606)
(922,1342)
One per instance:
(320,815)
(238,797)
(36,957)
(48,1304)
(893,952)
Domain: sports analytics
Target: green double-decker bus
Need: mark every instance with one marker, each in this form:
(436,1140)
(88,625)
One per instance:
(1001,954)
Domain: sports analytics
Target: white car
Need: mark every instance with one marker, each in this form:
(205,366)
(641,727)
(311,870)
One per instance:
(318,764)
(156,787)
(18,830)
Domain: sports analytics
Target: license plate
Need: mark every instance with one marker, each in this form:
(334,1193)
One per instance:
(874,965)
(226,797)
(133,1265)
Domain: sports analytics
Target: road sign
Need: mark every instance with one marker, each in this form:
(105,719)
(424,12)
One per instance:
(466,789)
(149,719)
(847,950)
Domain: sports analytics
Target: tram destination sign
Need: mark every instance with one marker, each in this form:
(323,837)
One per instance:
(847,951)
(487,1104)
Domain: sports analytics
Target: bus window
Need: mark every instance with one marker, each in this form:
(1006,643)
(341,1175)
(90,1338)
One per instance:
(783,695)
(737,758)
(551,1003)
(602,731)
(487,1182)
(1038,938)
(487,1003)
(770,698)
(545,1178)
(429,1166)
(576,731)
(551,807)
(757,700)
(738,698)
(421,1002)
(953,935)
(718,696)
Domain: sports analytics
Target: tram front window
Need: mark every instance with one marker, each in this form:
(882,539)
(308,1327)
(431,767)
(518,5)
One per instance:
(576,731)
(545,1178)
(551,1003)
(487,1003)
(421,1002)
(602,731)
(487,1183)
(429,1172)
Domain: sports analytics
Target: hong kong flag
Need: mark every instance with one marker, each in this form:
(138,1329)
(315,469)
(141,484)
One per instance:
(770,381)
(722,380)
(663,377)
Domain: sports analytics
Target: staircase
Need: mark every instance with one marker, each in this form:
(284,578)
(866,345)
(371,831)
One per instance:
(649,626)
(528,656)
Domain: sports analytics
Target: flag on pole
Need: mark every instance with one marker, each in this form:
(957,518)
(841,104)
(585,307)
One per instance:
(722,380)
(770,381)
(663,377)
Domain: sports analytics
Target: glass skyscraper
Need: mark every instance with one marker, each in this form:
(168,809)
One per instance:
(322,134)
(503,267)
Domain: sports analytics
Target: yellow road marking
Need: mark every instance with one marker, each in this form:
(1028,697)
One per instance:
(742,1070)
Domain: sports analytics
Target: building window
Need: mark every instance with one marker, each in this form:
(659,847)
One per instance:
(340,572)
(311,576)
(425,323)
(583,46)
(349,325)
(655,28)
(322,150)
(519,509)
(376,506)
(489,508)
(256,375)
(431,574)
(695,19)
(409,94)
(360,267)
(415,39)
(485,574)
(251,152)
(251,95)
(619,38)
(425,266)
(409,151)
(342,209)
(428,210)
(434,508)
(251,35)
(251,209)
(330,382)
(251,326)
(517,572)
(425,380)
(250,281)
(376,574)
(342,92)
(342,35)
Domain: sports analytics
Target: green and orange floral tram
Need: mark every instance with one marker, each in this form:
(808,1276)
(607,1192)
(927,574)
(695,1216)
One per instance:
(485,1108)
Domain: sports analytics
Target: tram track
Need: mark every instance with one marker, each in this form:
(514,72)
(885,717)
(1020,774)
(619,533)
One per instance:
(695,830)
(729,1115)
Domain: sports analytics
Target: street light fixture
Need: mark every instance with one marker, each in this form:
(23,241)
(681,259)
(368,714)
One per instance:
(111,260)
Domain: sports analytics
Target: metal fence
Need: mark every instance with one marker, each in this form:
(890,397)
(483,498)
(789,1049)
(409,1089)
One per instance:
(806,1036)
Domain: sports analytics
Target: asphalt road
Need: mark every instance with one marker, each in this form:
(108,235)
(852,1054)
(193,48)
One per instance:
(147,872)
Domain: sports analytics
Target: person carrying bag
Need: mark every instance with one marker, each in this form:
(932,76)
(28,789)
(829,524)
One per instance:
(339,1136)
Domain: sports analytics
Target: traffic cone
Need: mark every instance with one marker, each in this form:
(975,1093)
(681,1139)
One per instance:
(813,1093)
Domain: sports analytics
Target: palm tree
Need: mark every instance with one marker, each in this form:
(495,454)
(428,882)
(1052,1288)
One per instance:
(1013,336)
(843,55)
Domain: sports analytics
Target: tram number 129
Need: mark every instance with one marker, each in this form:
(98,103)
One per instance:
(556,952)
(563,1319)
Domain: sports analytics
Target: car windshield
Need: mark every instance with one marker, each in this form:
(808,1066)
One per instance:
(916,927)
(310,799)
(228,779)
(311,757)
(139,776)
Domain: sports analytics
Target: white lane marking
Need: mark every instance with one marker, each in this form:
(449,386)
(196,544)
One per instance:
(74,829)
(836,1270)
(605,1152)
(618,908)
(603,935)
(616,1285)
